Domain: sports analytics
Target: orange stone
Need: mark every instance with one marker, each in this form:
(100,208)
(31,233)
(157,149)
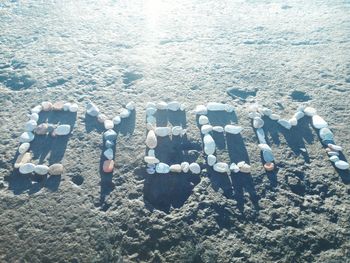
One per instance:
(58,106)
(108,166)
(269,167)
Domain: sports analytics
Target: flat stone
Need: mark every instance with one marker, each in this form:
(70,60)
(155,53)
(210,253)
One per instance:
(56,169)
(203,120)
(274,117)
(30,125)
(177,130)
(215,106)
(293,121)
(233,129)
(175,168)
(201,110)
(268,156)
(261,135)
(221,167)
(162,168)
(24,147)
(151,160)
(108,124)
(318,122)
(66,106)
(284,123)
(265,111)
(108,154)
(174,106)
(211,159)
(342,165)
(299,115)
(309,111)
(26,168)
(151,140)
(63,129)
(163,131)
(254,114)
(41,129)
(37,109)
(110,135)
(195,168)
(334,158)
(209,144)
(92,109)
(26,137)
(206,128)
(34,117)
(269,166)
(264,147)
(218,129)
(22,159)
(326,134)
(58,106)
(150,111)
(41,169)
(108,166)
(244,167)
(162,105)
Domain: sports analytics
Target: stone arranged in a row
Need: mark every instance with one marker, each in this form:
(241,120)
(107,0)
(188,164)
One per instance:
(56,106)
(163,168)
(151,107)
(213,106)
(26,167)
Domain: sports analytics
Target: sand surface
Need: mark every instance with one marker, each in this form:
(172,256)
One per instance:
(274,54)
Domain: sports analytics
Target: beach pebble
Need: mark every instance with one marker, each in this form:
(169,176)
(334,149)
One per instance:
(266,111)
(151,140)
(30,125)
(233,129)
(26,168)
(195,168)
(334,158)
(218,129)
(211,159)
(342,165)
(101,117)
(293,121)
(151,152)
(63,129)
(254,114)
(91,109)
(34,116)
(41,169)
(24,147)
(108,166)
(334,147)
(244,167)
(203,120)
(269,166)
(258,123)
(201,110)
(150,111)
(326,134)
(268,156)
(37,109)
(22,159)
(26,137)
(130,106)
(185,166)
(73,107)
(151,119)
(332,153)
(162,105)
(56,169)
(116,120)
(66,106)
(151,170)
(221,167)
(274,117)
(284,123)
(109,144)
(151,160)
(174,106)
(162,131)
(229,108)
(175,168)
(177,130)
(41,129)
(264,147)
(108,124)
(124,113)
(298,115)
(209,144)
(108,154)
(206,128)
(318,122)
(234,168)
(46,106)
(309,111)
(57,106)
(162,168)
(261,135)
(215,106)
(110,135)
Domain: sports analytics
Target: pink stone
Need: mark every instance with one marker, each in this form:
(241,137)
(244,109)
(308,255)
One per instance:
(108,166)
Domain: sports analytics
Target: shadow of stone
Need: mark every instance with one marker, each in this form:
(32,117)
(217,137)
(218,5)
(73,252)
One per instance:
(127,125)
(177,118)
(92,124)
(221,118)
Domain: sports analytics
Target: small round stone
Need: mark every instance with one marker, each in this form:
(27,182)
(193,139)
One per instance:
(175,168)
(130,106)
(233,129)
(73,107)
(221,167)
(62,130)
(211,159)
(30,125)
(56,169)
(108,154)
(41,129)
(34,117)
(258,123)
(318,122)
(110,135)
(124,113)
(26,137)
(58,106)
(66,106)
(268,156)
(269,166)
(116,120)
(151,160)
(206,128)
(309,111)
(342,165)
(218,129)
(46,106)
(203,120)
(26,168)
(91,109)
(185,166)
(176,130)
(334,158)
(41,169)
(150,111)
(162,168)
(24,147)
(108,166)
(101,118)
(234,168)
(195,168)
(108,124)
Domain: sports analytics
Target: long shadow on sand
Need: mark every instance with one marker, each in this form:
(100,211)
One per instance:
(166,191)
(126,127)
(45,149)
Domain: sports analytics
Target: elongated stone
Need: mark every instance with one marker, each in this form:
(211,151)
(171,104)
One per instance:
(185,166)
(63,129)
(130,106)
(334,158)
(201,110)
(265,147)
(268,156)
(258,123)
(24,147)
(299,115)
(30,125)
(163,131)
(274,117)
(162,168)
(124,113)
(37,109)
(265,111)
(254,114)
(221,167)
(209,144)
(108,166)
(206,128)
(22,159)
(309,111)
(26,137)
(318,122)
(56,169)
(41,169)
(151,160)
(203,120)
(26,168)
(151,140)
(215,106)
(284,123)
(41,129)
(117,120)
(335,147)
(92,109)
(162,105)
(211,159)
(174,106)
(195,168)
(150,111)
(326,134)
(108,154)
(342,165)
(110,135)
(233,129)
(261,135)
(108,124)
(175,168)
(218,129)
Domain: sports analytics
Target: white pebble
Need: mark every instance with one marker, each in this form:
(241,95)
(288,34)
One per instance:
(206,128)
(150,111)
(175,168)
(162,105)
(162,131)
(34,116)
(203,120)
(334,158)
(37,109)
(299,115)
(130,106)
(309,111)
(201,110)
(151,119)
(293,121)
(150,105)
(117,120)
(258,123)
(124,113)
(66,106)
(254,114)
(195,168)
(73,107)
(30,125)
(41,169)
(26,168)
(274,117)
(342,165)
(218,129)
(26,137)
(234,168)
(108,124)
(108,154)
(151,152)
(151,160)
(286,124)
(233,129)
(162,168)
(185,166)
(211,159)
(92,109)
(176,130)
(151,140)
(174,106)
(24,147)
(318,122)
(63,129)
(215,106)
(209,144)
(229,108)
(221,167)
(335,147)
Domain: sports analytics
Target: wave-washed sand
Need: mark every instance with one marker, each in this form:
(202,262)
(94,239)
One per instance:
(112,52)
